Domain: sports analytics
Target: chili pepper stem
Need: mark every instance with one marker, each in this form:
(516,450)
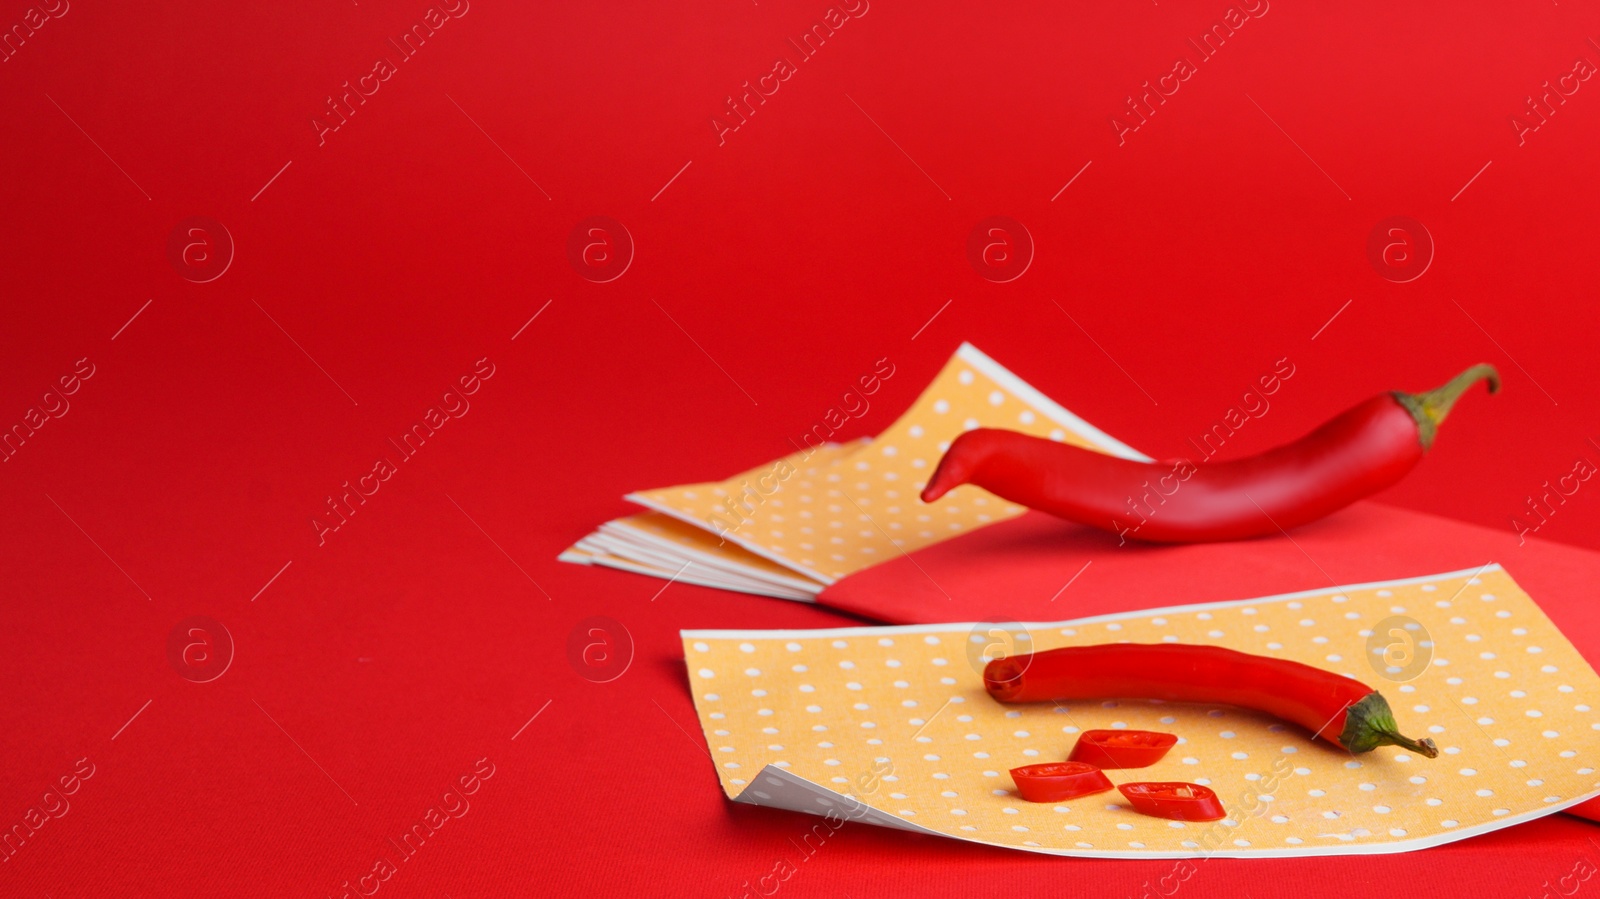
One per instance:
(1430,407)
(1369,723)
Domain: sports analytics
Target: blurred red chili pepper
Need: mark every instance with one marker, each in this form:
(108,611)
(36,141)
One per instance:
(1059,781)
(1362,451)
(1122,748)
(1177,801)
(1339,709)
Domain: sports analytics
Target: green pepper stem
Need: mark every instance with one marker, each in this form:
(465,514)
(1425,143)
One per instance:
(1430,407)
(1369,723)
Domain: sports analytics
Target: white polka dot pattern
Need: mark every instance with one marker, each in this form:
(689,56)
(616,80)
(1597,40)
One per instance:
(898,718)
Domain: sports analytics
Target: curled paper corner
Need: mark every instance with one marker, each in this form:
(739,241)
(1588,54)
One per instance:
(777,788)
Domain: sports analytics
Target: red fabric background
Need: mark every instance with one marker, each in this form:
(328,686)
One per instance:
(823,235)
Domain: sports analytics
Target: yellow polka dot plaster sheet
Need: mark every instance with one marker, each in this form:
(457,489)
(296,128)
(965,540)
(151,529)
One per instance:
(673,548)
(892,725)
(833,513)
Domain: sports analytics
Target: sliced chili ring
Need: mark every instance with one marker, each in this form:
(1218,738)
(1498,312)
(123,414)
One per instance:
(1176,801)
(1122,748)
(1058,781)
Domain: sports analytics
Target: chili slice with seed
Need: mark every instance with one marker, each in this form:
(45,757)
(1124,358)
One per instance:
(1175,801)
(1122,748)
(1058,781)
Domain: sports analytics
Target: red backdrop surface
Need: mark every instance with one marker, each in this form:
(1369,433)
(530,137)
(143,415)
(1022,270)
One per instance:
(374,264)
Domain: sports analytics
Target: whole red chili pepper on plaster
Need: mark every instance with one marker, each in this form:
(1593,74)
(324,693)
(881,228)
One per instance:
(1339,709)
(1356,454)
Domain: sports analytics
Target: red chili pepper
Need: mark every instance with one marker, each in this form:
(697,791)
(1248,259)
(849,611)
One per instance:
(1362,451)
(1177,801)
(1059,781)
(1122,748)
(1339,709)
